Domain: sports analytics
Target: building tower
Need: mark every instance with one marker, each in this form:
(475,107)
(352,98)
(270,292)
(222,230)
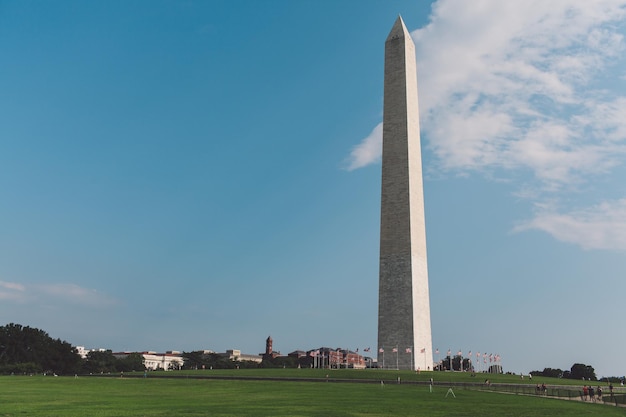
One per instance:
(404,335)
(268,347)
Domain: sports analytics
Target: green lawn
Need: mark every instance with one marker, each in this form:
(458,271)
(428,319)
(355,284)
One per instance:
(98,396)
(386,375)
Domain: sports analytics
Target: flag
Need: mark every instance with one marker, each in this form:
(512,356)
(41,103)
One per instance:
(423,350)
(408,350)
(394,350)
(381,350)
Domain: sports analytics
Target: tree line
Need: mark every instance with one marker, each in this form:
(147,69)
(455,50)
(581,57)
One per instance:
(459,363)
(577,371)
(30,350)
(203,360)
(27,350)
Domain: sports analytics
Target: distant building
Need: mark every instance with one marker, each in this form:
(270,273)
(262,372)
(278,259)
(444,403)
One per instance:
(80,350)
(154,361)
(353,360)
(236,355)
(325,357)
(297,354)
(269,350)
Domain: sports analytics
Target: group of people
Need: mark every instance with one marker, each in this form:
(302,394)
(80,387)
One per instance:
(590,394)
(541,389)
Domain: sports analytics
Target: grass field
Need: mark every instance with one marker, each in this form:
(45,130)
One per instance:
(187,396)
(378,374)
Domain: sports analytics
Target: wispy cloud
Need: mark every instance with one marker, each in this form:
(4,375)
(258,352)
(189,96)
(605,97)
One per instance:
(520,87)
(75,294)
(12,286)
(367,152)
(11,291)
(59,293)
(598,227)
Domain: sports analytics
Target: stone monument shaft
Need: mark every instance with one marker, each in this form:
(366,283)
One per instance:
(404,333)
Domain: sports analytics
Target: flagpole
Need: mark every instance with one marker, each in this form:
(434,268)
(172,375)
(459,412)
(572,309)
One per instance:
(397,366)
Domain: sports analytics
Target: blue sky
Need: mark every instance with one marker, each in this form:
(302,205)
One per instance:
(200,175)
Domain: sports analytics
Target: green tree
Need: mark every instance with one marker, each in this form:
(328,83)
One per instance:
(305,362)
(202,360)
(279,362)
(100,362)
(132,362)
(456,363)
(582,371)
(27,349)
(549,372)
(194,360)
(444,364)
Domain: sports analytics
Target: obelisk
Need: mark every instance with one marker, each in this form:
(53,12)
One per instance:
(404,334)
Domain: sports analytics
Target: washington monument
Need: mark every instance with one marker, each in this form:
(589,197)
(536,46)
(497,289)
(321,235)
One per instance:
(404,336)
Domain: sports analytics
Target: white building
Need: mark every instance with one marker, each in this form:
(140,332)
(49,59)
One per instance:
(83,352)
(153,361)
(236,355)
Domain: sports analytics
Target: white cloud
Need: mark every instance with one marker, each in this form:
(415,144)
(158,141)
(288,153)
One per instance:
(516,76)
(599,227)
(11,291)
(518,87)
(368,151)
(12,286)
(75,294)
(53,294)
